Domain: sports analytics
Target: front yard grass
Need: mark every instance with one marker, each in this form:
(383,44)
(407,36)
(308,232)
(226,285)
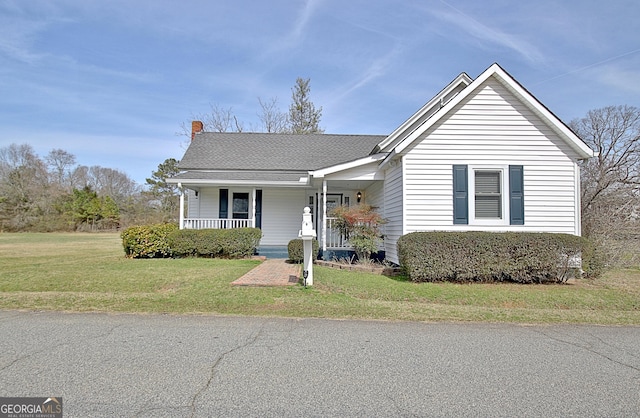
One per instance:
(88,272)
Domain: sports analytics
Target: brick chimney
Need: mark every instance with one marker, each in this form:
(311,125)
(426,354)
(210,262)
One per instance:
(196,126)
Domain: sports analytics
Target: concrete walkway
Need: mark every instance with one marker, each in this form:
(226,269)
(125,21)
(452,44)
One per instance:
(271,272)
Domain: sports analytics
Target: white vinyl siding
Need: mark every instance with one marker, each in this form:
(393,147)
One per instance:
(375,198)
(205,205)
(282,215)
(491,128)
(374,195)
(193,206)
(393,210)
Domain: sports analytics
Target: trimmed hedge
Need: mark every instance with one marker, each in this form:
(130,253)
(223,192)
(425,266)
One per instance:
(224,243)
(489,256)
(166,240)
(147,241)
(295,249)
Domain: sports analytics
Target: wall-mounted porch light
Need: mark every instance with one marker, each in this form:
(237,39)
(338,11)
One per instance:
(359,196)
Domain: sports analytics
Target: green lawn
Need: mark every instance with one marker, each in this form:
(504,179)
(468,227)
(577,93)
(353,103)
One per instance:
(88,272)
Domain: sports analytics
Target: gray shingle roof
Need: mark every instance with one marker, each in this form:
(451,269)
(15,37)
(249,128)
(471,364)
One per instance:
(263,151)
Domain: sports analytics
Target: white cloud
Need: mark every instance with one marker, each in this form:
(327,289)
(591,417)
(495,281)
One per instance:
(378,67)
(297,33)
(486,33)
(621,79)
(16,38)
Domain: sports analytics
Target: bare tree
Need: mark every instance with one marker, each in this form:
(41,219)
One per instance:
(60,165)
(303,116)
(42,194)
(23,187)
(219,119)
(79,177)
(614,133)
(610,182)
(113,183)
(15,156)
(271,118)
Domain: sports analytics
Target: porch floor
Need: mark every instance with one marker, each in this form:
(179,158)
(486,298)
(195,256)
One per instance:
(271,272)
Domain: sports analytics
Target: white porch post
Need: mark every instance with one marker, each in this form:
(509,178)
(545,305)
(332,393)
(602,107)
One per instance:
(253,209)
(324,215)
(181,205)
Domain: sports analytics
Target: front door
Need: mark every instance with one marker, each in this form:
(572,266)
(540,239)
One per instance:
(333,200)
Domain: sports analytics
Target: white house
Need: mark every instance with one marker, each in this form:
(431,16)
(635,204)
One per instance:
(483,154)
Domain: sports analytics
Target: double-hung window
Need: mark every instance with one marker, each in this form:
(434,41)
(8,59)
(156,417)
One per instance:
(488,195)
(240,206)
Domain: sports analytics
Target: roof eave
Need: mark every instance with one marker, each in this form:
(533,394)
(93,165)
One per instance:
(303,182)
(348,165)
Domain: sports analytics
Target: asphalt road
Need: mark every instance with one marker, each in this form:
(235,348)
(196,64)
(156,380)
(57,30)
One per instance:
(208,366)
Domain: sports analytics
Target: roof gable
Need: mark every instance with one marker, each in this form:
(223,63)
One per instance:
(404,138)
(427,111)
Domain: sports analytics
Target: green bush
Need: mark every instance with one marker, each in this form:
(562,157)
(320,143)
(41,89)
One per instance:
(487,256)
(195,243)
(240,242)
(227,243)
(296,250)
(594,260)
(147,241)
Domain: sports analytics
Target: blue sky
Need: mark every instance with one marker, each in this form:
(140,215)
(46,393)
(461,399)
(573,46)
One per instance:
(112,81)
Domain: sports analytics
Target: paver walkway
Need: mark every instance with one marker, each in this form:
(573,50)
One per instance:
(271,272)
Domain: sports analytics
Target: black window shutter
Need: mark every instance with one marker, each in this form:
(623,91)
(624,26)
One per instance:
(224,204)
(460,195)
(516,195)
(259,209)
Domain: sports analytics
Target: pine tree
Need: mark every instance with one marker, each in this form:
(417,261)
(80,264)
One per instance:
(165,193)
(304,118)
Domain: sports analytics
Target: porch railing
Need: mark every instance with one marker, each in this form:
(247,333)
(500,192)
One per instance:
(334,238)
(211,223)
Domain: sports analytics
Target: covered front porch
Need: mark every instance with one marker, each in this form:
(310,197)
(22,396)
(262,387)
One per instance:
(274,201)
(277,211)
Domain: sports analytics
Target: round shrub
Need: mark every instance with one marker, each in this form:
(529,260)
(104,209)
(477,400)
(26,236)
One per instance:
(296,250)
(147,241)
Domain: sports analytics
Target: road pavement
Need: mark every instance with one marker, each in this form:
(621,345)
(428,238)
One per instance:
(116,365)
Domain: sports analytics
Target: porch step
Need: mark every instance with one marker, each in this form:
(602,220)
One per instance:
(273,251)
